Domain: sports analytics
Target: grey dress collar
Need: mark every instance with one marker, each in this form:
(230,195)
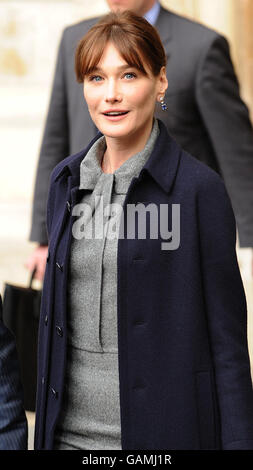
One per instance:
(91,171)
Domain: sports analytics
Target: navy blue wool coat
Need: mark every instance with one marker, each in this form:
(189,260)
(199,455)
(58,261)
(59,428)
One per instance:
(184,370)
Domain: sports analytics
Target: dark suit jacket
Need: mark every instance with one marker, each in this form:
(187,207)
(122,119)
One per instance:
(184,372)
(205,114)
(13,423)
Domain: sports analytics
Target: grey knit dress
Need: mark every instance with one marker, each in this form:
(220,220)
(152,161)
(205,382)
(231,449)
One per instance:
(90,415)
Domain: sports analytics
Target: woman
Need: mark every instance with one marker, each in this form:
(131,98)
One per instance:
(143,339)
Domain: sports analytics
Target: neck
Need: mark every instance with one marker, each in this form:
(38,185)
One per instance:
(121,149)
(148,5)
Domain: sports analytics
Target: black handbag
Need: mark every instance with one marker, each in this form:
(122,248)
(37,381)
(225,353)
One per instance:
(21,310)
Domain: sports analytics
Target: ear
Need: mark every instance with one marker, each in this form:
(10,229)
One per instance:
(162,83)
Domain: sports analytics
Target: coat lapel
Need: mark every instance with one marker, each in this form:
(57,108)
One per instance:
(163,162)
(164,28)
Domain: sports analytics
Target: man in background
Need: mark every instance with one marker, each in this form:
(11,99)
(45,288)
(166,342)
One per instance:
(205,115)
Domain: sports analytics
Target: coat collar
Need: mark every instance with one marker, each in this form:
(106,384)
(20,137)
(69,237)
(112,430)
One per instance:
(161,166)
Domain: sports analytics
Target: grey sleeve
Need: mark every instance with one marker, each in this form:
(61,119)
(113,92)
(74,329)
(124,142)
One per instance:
(228,124)
(54,148)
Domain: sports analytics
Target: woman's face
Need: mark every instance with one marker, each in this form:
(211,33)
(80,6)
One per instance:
(120,98)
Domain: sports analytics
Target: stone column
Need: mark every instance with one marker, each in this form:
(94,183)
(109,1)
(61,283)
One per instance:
(243,21)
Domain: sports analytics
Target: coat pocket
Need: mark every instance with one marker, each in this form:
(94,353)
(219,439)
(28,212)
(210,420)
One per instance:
(205,409)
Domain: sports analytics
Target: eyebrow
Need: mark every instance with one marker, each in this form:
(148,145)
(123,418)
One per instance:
(121,67)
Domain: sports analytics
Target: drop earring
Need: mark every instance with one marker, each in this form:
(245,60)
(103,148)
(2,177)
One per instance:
(163,104)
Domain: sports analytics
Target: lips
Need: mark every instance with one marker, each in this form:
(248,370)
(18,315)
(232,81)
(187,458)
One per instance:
(115,112)
(115,115)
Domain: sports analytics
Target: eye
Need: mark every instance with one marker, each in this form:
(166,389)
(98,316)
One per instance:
(129,75)
(95,78)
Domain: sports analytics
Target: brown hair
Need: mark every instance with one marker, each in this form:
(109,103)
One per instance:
(135,38)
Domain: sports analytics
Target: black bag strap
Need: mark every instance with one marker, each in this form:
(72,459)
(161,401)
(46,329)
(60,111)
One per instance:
(32,277)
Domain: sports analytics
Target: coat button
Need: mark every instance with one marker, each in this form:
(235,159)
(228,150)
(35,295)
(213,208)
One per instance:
(46,320)
(139,385)
(59,266)
(59,330)
(139,323)
(54,393)
(43,380)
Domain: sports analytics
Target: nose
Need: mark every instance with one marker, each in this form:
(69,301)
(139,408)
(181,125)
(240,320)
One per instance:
(112,92)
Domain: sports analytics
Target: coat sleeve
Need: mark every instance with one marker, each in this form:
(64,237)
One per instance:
(228,124)
(13,423)
(226,312)
(54,148)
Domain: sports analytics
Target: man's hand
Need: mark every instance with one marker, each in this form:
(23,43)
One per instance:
(38,260)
